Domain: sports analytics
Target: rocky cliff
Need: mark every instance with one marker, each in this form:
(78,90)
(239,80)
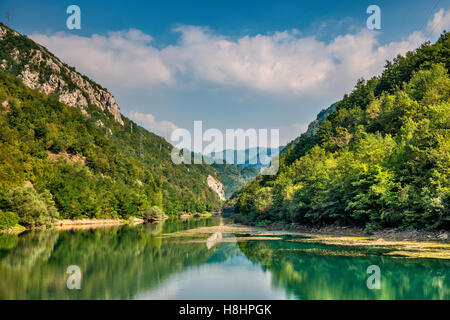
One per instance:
(128,169)
(41,70)
(216,186)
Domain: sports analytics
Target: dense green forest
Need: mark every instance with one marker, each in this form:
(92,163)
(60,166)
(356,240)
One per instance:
(234,177)
(84,160)
(380,158)
(55,148)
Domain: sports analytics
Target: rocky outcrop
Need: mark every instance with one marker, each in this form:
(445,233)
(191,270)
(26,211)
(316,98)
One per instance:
(216,186)
(41,70)
(3,33)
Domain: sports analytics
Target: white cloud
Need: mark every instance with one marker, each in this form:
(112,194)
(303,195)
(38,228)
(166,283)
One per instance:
(124,58)
(282,62)
(285,63)
(440,22)
(148,121)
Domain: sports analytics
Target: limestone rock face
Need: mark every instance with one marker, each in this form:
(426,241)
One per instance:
(41,70)
(30,79)
(216,186)
(3,33)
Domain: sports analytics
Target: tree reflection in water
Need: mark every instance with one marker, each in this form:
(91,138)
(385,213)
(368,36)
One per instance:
(124,262)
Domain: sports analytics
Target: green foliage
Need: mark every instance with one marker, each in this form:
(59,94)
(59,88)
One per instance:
(240,218)
(33,209)
(8,220)
(153,214)
(233,177)
(381,159)
(88,172)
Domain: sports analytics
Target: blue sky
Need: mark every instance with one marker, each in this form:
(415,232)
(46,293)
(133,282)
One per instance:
(232,64)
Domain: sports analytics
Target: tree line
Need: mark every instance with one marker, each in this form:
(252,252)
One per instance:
(380,159)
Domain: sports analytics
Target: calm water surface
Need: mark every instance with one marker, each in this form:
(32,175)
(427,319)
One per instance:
(150,262)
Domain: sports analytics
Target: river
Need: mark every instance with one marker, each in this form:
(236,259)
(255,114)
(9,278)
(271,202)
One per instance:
(190,259)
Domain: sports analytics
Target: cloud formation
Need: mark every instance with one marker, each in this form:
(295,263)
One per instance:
(281,62)
(123,58)
(148,121)
(440,22)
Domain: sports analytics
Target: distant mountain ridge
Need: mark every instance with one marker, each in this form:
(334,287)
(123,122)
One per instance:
(258,157)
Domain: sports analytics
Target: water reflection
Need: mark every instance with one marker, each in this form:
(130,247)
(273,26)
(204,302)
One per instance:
(144,262)
(309,271)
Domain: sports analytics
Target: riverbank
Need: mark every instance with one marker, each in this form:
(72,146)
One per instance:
(17,229)
(94,223)
(80,224)
(384,234)
(88,223)
(197,215)
(350,244)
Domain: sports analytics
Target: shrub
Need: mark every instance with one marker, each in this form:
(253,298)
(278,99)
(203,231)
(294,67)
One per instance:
(3,95)
(262,223)
(8,220)
(240,218)
(33,209)
(152,214)
(373,226)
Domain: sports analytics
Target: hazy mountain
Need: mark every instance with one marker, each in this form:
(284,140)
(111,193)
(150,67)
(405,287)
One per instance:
(258,157)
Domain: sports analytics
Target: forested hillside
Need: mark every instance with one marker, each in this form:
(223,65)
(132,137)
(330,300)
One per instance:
(71,151)
(233,177)
(380,159)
